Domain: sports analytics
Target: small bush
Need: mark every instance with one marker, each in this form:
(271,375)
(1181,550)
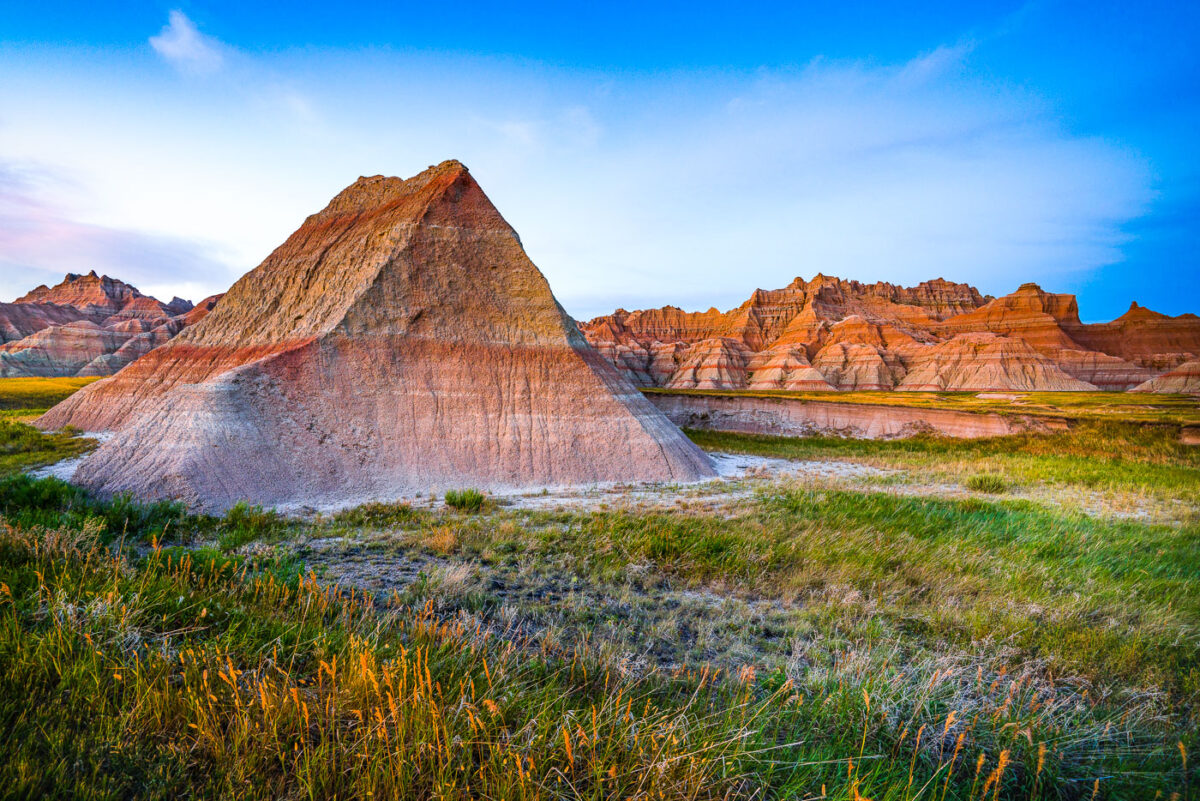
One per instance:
(467,500)
(136,520)
(378,515)
(24,492)
(53,502)
(244,523)
(987,482)
(441,540)
(21,438)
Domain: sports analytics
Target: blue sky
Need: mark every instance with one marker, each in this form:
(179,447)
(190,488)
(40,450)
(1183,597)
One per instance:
(647,153)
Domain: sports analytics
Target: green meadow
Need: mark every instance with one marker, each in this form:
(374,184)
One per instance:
(986,619)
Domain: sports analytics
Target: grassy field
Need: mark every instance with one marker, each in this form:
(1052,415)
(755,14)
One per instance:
(774,638)
(1095,406)
(23,447)
(35,395)
(1094,455)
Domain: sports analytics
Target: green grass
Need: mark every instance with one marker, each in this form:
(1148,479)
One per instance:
(245,523)
(986,482)
(1096,598)
(23,447)
(50,502)
(1094,406)
(378,515)
(798,641)
(188,673)
(1114,456)
(467,500)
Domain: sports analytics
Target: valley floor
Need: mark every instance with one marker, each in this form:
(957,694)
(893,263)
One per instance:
(1014,617)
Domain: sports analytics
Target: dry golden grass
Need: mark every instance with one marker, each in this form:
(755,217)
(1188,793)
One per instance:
(38,393)
(442,540)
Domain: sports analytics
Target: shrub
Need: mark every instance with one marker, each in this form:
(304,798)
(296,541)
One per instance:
(378,515)
(987,482)
(133,519)
(20,438)
(244,523)
(53,502)
(467,500)
(23,492)
(441,540)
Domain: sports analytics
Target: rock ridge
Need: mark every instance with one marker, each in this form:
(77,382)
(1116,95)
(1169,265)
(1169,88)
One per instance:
(834,334)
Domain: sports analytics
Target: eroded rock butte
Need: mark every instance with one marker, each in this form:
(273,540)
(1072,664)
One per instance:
(399,341)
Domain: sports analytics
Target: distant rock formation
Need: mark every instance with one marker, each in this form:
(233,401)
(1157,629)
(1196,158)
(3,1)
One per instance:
(88,325)
(91,292)
(828,334)
(1185,378)
(971,362)
(399,341)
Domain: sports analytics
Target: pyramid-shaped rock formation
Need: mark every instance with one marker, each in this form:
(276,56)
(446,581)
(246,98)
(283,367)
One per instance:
(399,341)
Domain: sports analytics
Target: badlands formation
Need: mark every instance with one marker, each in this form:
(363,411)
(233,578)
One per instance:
(399,341)
(1184,378)
(88,325)
(830,334)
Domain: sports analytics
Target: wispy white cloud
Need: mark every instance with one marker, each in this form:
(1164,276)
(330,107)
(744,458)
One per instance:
(935,63)
(42,239)
(299,105)
(187,49)
(633,190)
(568,128)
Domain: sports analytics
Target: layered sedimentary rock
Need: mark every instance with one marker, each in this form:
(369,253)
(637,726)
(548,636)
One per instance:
(792,417)
(399,341)
(88,293)
(1105,372)
(718,363)
(986,362)
(828,333)
(1185,378)
(784,366)
(19,320)
(1028,314)
(1145,338)
(88,325)
(858,366)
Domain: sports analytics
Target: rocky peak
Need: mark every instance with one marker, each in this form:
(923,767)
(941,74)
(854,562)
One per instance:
(1032,299)
(295,294)
(179,306)
(1138,313)
(374,192)
(89,292)
(399,341)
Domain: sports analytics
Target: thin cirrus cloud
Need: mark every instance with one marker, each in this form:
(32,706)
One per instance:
(186,48)
(40,240)
(876,173)
(631,190)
